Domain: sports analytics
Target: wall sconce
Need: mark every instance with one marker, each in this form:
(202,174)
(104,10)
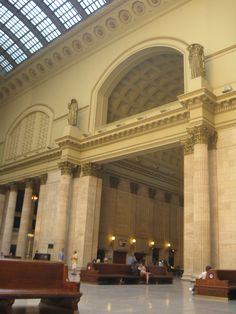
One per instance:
(168,245)
(34,198)
(133,241)
(113,238)
(151,244)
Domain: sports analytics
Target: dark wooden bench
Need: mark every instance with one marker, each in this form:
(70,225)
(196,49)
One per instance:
(121,273)
(48,281)
(218,283)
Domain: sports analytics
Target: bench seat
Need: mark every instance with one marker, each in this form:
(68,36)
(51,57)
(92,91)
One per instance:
(48,281)
(121,273)
(218,283)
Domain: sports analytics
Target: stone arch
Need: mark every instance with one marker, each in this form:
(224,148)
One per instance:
(128,60)
(29,133)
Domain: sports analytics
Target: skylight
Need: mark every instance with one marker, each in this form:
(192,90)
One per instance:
(27,26)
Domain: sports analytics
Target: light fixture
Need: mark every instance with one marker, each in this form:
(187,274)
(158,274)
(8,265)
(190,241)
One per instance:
(113,238)
(30,235)
(34,198)
(168,245)
(133,241)
(151,243)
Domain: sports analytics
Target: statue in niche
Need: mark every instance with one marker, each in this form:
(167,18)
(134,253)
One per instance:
(196,60)
(73,112)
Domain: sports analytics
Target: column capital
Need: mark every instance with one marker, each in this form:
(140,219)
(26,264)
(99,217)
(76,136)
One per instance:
(43,178)
(213,140)
(91,169)
(188,146)
(201,134)
(66,167)
(13,186)
(28,182)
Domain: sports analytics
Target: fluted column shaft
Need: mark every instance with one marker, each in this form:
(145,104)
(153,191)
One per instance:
(188,211)
(61,222)
(9,220)
(25,221)
(201,202)
(40,212)
(88,215)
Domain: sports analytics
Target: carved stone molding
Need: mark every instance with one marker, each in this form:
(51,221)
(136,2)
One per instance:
(201,134)
(91,169)
(97,30)
(200,97)
(29,182)
(226,102)
(13,186)
(189,146)
(66,167)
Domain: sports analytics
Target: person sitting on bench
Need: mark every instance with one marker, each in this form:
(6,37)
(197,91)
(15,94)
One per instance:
(201,276)
(144,272)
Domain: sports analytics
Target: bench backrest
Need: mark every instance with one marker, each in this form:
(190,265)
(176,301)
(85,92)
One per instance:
(24,274)
(222,274)
(119,269)
(159,270)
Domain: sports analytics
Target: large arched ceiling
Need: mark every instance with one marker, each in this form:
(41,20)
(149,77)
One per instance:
(153,82)
(27,26)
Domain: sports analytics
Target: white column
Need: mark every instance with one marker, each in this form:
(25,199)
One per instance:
(63,202)
(188,210)
(25,221)
(88,216)
(9,220)
(40,212)
(201,201)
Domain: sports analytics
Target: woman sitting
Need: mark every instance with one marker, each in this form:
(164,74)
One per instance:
(144,272)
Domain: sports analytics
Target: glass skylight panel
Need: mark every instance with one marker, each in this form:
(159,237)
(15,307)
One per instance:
(10,47)
(91,6)
(64,10)
(38,18)
(5,64)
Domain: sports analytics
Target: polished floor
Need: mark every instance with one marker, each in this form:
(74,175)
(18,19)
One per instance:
(138,299)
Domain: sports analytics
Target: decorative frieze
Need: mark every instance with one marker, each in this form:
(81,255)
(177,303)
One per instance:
(91,169)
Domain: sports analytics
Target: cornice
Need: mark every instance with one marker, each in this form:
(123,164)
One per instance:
(113,136)
(117,19)
(226,102)
(31,161)
(195,98)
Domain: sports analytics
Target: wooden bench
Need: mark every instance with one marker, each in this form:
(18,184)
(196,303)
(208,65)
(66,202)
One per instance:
(218,283)
(121,273)
(48,281)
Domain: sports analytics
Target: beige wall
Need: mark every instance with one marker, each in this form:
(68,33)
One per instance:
(126,216)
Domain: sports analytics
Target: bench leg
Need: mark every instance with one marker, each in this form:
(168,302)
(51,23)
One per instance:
(66,303)
(6,306)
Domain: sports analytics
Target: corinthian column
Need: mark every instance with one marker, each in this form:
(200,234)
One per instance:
(9,220)
(25,220)
(40,212)
(188,209)
(88,214)
(201,200)
(61,221)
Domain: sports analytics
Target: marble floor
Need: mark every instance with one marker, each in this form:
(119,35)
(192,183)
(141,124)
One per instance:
(138,299)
